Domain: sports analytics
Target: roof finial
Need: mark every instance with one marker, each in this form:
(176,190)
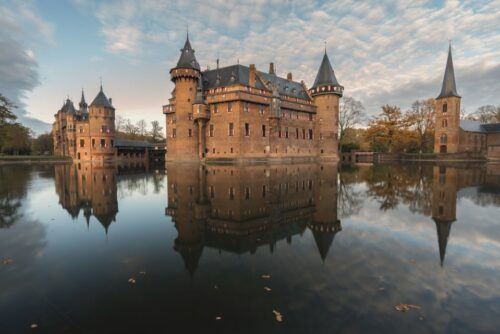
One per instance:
(187,31)
(325,47)
(100,78)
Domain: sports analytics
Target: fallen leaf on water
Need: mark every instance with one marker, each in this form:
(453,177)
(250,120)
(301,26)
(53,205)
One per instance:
(381,289)
(218,318)
(265,276)
(216,287)
(406,307)
(267,288)
(131,280)
(413,261)
(278,316)
(7,261)
(34,326)
(142,272)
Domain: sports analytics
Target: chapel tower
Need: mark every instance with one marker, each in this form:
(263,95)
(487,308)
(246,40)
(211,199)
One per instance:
(102,128)
(326,93)
(447,112)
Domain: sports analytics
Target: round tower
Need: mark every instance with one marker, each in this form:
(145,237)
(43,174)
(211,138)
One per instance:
(326,93)
(101,128)
(182,141)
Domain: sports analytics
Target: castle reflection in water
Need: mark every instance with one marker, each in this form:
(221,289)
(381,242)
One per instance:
(241,208)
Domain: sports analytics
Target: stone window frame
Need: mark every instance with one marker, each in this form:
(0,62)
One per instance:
(247,129)
(230,129)
(211,130)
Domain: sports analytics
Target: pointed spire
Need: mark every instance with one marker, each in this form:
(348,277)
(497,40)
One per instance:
(443,228)
(101,100)
(326,75)
(187,58)
(449,87)
(82,104)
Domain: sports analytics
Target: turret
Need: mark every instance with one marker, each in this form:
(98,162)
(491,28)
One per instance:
(101,127)
(447,112)
(83,104)
(326,93)
(183,136)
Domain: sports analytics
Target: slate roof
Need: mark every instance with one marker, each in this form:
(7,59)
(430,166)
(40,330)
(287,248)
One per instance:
(326,75)
(68,107)
(240,74)
(101,101)
(131,143)
(476,126)
(449,87)
(187,58)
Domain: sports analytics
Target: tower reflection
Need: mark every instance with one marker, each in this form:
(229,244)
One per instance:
(241,208)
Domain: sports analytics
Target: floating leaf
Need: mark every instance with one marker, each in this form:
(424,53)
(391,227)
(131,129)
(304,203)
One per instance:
(218,318)
(265,276)
(278,316)
(406,307)
(267,288)
(131,280)
(7,261)
(142,273)
(34,326)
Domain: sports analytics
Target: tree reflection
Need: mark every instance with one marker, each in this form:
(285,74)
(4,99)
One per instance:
(14,181)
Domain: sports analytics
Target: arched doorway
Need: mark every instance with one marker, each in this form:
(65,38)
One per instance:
(444,141)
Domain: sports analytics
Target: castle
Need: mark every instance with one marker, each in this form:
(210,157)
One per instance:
(88,133)
(455,135)
(237,113)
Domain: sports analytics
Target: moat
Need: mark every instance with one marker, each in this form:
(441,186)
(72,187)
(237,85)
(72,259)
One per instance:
(302,248)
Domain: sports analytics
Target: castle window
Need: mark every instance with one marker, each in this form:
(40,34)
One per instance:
(231,193)
(174,133)
(104,128)
(264,190)
(445,107)
(297,133)
(247,129)
(231,130)
(310,117)
(261,109)
(81,129)
(211,131)
(174,119)
(213,151)
(232,151)
(303,133)
(216,109)
(190,116)
(93,142)
(212,192)
(263,130)
(444,123)
(286,132)
(245,106)
(444,139)
(279,132)
(112,143)
(103,142)
(310,134)
(190,132)
(247,193)
(229,107)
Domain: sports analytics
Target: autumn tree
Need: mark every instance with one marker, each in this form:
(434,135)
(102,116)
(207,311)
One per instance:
(420,119)
(351,113)
(487,114)
(130,128)
(43,144)
(156,132)
(142,127)
(385,131)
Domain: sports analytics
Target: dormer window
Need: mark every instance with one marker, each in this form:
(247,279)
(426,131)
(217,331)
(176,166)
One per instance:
(445,108)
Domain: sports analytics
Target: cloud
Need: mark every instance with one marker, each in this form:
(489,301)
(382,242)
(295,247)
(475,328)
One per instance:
(379,50)
(20,29)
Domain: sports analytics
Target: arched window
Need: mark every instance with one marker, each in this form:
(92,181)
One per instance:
(445,107)
(444,139)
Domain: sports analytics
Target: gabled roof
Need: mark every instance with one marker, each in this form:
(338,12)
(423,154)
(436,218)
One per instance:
(240,74)
(187,58)
(476,126)
(326,75)
(101,101)
(449,88)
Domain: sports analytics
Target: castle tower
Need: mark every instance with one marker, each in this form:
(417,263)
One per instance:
(447,112)
(326,93)
(182,141)
(201,115)
(101,128)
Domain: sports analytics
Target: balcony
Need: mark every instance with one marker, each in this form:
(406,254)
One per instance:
(169,109)
(201,112)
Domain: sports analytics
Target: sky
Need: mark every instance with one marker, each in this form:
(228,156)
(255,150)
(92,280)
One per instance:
(383,52)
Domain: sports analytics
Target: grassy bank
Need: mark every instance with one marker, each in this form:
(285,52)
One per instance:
(33,158)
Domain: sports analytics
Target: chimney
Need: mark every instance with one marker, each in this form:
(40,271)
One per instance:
(251,76)
(271,68)
(289,76)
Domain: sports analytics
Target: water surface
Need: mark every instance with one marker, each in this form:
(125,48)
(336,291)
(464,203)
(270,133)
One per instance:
(227,248)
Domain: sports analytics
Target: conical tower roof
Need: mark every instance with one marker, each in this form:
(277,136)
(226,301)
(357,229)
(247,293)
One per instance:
(101,100)
(326,75)
(187,58)
(443,228)
(449,87)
